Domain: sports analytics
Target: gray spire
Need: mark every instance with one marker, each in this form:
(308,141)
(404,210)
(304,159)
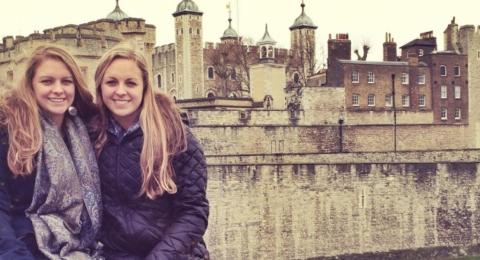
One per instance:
(303,21)
(117,14)
(229,33)
(187,7)
(266,39)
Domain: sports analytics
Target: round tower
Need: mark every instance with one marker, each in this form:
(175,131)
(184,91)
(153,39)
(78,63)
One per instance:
(302,40)
(189,78)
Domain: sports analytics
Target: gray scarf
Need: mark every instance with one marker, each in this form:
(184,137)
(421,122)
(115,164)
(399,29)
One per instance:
(66,207)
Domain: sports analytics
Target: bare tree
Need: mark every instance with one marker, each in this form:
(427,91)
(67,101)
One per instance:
(231,62)
(366,48)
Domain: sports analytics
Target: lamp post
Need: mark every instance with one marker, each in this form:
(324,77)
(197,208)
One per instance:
(341,120)
(394,115)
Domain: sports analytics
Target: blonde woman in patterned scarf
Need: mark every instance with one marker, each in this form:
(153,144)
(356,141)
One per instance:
(50,203)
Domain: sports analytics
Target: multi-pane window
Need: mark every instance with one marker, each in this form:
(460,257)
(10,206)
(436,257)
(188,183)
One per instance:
(458,113)
(421,79)
(443,113)
(404,78)
(443,70)
(421,100)
(370,77)
(406,100)
(356,100)
(371,100)
(388,100)
(443,92)
(355,77)
(457,92)
(456,71)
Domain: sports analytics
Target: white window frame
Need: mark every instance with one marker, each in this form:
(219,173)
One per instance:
(404,78)
(406,101)
(458,113)
(370,77)
(445,70)
(443,92)
(443,113)
(420,53)
(388,100)
(421,79)
(355,77)
(355,100)
(371,97)
(421,101)
(454,72)
(458,92)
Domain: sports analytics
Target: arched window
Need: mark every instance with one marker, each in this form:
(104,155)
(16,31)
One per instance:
(210,73)
(210,94)
(270,52)
(296,78)
(264,52)
(159,80)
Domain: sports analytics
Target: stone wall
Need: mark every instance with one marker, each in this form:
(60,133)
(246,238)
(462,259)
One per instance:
(268,139)
(328,205)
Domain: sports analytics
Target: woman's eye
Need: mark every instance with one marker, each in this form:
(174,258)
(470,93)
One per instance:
(46,81)
(67,82)
(131,84)
(111,83)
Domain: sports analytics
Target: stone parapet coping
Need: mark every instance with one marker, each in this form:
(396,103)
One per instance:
(441,156)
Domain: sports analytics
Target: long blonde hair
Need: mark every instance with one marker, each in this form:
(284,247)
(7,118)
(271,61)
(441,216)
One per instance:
(19,111)
(163,131)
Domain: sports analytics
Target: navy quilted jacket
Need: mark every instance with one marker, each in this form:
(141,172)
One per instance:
(169,227)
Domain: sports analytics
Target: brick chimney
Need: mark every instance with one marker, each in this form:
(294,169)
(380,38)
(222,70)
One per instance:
(339,48)
(389,48)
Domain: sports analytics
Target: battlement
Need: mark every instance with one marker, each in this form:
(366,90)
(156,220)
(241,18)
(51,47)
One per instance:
(99,29)
(165,48)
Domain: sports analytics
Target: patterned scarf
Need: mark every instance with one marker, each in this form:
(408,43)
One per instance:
(66,207)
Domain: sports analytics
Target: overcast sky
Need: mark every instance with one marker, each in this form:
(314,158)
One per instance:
(365,21)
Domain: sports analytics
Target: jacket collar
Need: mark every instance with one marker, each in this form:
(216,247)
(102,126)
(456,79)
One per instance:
(117,130)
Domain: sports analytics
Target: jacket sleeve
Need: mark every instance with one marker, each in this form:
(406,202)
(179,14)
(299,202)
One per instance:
(10,246)
(190,205)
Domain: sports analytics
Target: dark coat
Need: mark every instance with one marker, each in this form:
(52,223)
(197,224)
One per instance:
(17,239)
(169,227)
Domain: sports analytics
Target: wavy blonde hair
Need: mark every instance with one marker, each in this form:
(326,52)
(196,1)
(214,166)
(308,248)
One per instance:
(163,132)
(19,111)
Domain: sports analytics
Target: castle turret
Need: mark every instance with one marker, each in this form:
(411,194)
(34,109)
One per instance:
(389,48)
(189,78)
(266,47)
(302,38)
(450,36)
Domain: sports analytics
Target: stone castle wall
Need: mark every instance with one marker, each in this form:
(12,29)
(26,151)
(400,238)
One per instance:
(306,206)
(86,42)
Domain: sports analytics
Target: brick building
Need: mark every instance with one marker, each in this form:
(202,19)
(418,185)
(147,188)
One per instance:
(422,79)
